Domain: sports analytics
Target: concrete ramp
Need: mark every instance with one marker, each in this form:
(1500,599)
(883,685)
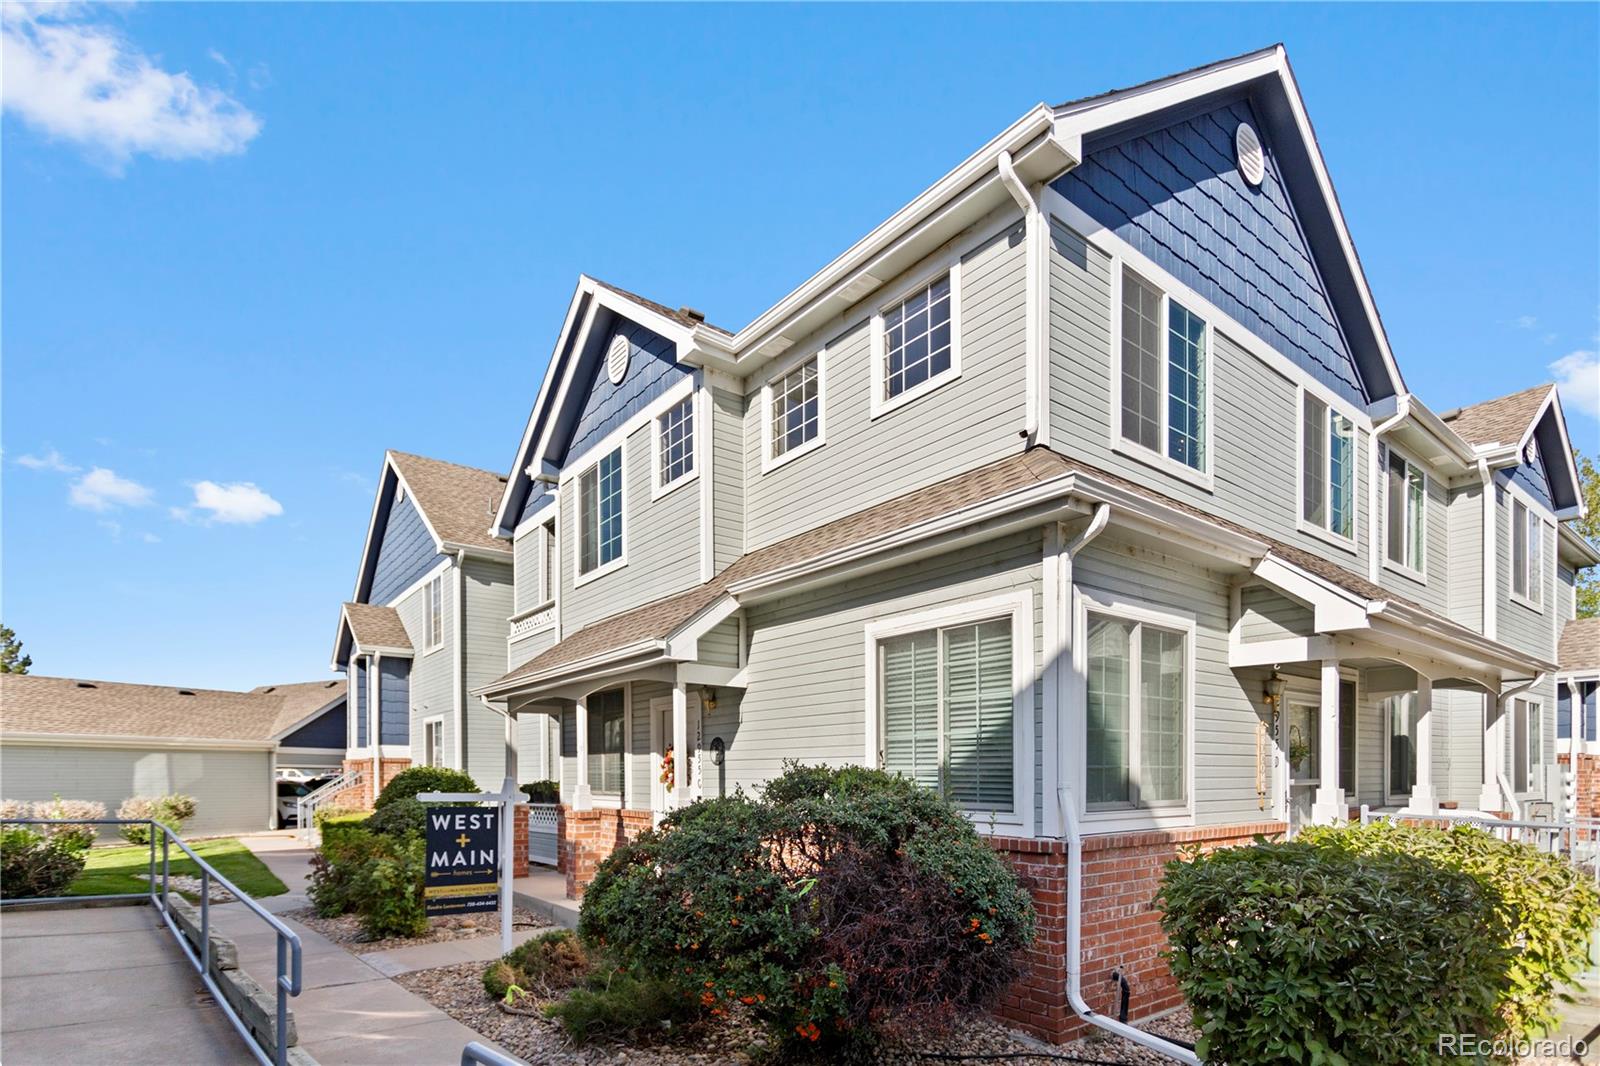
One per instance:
(105,984)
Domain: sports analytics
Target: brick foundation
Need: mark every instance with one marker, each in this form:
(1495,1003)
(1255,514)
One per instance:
(361,797)
(1585,784)
(1121,928)
(587,837)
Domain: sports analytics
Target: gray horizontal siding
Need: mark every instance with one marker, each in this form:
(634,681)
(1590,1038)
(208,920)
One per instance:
(1254,454)
(720,646)
(432,672)
(528,564)
(1268,615)
(964,424)
(1464,564)
(1433,591)
(727,477)
(488,599)
(1524,628)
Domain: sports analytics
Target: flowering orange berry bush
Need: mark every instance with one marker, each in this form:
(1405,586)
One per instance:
(840,905)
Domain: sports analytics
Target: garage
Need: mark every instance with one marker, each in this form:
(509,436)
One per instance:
(109,741)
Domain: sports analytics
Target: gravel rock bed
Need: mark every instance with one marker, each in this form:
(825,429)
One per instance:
(191,886)
(345,930)
(458,991)
(985,1036)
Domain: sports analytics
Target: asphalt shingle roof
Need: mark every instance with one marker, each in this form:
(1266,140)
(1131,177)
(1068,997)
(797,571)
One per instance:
(33,704)
(660,618)
(301,698)
(458,501)
(1580,645)
(1499,421)
(376,627)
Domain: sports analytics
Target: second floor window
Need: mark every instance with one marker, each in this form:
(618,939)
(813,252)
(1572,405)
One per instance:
(947,711)
(675,446)
(796,408)
(1163,374)
(1137,707)
(434,621)
(550,559)
(433,742)
(1406,516)
(600,513)
(918,339)
(1526,546)
(1327,469)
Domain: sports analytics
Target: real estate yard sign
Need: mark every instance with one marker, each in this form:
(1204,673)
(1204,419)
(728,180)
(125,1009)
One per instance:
(463,871)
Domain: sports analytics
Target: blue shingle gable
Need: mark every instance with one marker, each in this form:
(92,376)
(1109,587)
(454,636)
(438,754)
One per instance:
(1532,477)
(1175,194)
(405,551)
(326,730)
(652,370)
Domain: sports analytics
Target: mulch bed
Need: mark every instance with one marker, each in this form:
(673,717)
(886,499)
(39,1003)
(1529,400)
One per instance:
(345,930)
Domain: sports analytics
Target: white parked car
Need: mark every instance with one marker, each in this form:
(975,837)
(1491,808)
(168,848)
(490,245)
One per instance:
(290,790)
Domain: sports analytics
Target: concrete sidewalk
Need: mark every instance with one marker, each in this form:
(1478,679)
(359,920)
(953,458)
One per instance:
(106,984)
(348,1012)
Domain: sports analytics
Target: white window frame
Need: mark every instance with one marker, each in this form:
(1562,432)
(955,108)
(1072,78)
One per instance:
(613,800)
(1417,574)
(769,462)
(1018,606)
(1533,560)
(1326,533)
(1157,457)
(1087,599)
(1522,740)
(580,576)
(433,613)
(881,405)
(428,725)
(659,488)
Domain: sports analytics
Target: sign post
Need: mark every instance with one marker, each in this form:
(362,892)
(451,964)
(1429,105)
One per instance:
(470,854)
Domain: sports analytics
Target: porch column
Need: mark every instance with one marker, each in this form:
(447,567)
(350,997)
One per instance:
(1424,798)
(1490,799)
(582,798)
(680,744)
(1329,807)
(375,722)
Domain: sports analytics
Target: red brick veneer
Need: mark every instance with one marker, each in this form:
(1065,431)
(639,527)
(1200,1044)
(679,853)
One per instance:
(587,837)
(361,796)
(1585,784)
(1121,928)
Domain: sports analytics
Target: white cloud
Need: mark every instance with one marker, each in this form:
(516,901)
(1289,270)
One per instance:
(237,503)
(80,81)
(1525,321)
(150,538)
(1578,378)
(102,490)
(51,460)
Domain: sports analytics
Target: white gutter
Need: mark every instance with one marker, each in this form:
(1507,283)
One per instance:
(1035,420)
(1491,548)
(1155,1043)
(1069,820)
(1402,411)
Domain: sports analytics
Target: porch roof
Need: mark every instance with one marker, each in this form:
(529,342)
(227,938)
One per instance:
(376,627)
(1580,645)
(1017,483)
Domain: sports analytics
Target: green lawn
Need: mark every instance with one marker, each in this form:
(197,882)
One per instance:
(114,870)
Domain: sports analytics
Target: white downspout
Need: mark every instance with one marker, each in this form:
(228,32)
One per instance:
(1491,548)
(1033,332)
(1375,560)
(457,667)
(1069,820)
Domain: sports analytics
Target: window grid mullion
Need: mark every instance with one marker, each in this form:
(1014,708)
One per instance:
(1164,375)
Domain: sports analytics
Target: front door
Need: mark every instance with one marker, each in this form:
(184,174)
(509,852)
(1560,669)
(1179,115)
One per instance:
(665,780)
(1302,753)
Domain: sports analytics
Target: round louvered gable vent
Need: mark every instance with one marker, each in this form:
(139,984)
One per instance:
(617,359)
(1247,149)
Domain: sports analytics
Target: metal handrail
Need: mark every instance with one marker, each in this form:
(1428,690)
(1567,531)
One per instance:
(476,1054)
(288,976)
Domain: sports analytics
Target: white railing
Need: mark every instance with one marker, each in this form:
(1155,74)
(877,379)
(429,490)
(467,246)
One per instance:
(543,839)
(306,806)
(532,620)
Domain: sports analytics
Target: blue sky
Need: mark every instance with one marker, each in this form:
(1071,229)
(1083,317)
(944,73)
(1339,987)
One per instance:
(360,226)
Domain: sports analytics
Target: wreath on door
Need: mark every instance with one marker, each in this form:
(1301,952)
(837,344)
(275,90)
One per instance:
(669,774)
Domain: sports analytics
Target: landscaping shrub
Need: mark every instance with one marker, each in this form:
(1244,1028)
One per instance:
(622,1007)
(542,967)
(339,822)
(69,818)
(34,864)
(542,791)
(1548,906)
(407,783)
(1295,952)
(377,877)
(171,811)
(402,817)
(331,885)
(843,903)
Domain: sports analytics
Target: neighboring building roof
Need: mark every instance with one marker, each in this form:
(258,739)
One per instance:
(1580,645)
(302,699)
(377,627)
(1500,421)
(458,502)
(71,707)
(662,618)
